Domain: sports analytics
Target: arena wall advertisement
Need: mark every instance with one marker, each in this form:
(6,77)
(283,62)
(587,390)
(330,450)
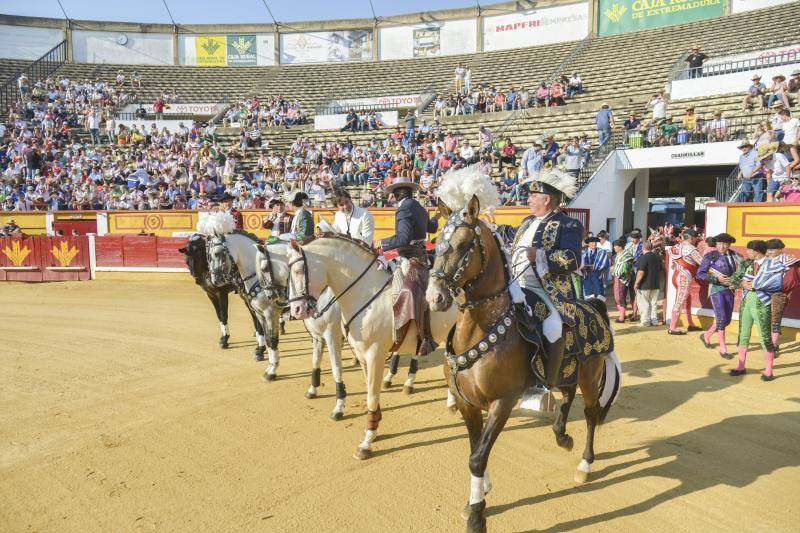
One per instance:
(541,26)
(337,121)
(403,101)
(122,48)
(234,50)
(179,109)
(26,42)
(428,40)
(326,47)
(623,16)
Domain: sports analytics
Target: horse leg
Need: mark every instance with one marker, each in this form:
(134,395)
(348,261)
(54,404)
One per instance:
(473,418)
(408,386)
(272,347)
(499,411)
(220,301)
(334,341)
(316,363)
(589,375)
(560,425)
(394,362)
(373,372)
(261,347)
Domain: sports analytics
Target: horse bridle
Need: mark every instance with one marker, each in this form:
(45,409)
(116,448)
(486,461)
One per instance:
(455,222)
(230,273)
(312,302)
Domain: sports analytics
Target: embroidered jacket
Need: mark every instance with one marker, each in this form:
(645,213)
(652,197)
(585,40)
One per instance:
(767,278)
(560,237)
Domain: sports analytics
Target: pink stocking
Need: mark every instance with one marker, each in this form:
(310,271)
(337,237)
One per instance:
(688,309)
(769,359)
(742,357)
(723,348)
(621,309)
(776,336)
(710,331)
(673,320)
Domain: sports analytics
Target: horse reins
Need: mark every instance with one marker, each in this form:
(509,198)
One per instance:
(312,302)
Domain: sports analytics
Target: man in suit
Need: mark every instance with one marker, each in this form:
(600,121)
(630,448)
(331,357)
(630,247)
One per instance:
(412,225)
(351,220)
(278,221)
(303,221)
(546,251)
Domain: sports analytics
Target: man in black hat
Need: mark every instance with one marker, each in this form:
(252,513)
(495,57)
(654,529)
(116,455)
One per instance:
(227,206)
(412,225)
(278,221)
(716,269)
(791,279)
(686,260)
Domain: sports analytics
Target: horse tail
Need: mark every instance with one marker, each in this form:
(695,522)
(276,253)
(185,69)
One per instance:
(600,306)
(610,383)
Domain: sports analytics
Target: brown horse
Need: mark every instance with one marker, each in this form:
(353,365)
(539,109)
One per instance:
(488,361)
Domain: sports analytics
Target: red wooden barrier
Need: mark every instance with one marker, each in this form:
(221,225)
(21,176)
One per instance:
(138,252)
(43,258)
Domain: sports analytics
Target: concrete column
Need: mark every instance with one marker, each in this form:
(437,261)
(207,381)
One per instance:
(176,60)
(688,213)
(727,7)
(376,41)
(642,205)
(68,38)
(479,33)
(594,12)
(627,204)
(277,57)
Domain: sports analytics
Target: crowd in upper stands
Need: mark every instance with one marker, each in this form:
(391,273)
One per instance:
(267,112)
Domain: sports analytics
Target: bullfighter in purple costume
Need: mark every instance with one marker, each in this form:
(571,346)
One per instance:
(716,268)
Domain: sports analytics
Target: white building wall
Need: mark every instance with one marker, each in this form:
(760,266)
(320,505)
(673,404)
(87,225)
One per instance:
(26,42)
(106,47)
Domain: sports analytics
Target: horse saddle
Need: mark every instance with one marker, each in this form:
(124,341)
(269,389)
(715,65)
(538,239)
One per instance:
(409,282)
(590,336)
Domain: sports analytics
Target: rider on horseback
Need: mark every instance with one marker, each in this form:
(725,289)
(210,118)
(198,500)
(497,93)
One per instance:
(411,226)
(546,250)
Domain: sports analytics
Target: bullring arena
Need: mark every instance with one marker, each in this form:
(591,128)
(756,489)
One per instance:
(121,411)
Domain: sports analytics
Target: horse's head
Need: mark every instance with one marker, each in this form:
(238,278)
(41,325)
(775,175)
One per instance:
(220,262)
(195,255)
(460,254)
(304,288)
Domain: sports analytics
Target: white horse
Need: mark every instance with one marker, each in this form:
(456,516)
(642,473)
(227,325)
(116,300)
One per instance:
(350,269)
(264,272)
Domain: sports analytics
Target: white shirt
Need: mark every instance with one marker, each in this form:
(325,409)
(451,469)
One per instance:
(520,265)
(659,108)
(790,131)
(607,246)
(358,224)
(778,166)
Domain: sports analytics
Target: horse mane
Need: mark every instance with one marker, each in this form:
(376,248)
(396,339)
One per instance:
(342,237)
(252,236)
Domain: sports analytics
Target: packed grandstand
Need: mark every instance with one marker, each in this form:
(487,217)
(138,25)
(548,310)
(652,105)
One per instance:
(103,136)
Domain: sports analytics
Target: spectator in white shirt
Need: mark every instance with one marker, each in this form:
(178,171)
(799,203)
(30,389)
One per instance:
(659,106)
(776,168)
(790,136)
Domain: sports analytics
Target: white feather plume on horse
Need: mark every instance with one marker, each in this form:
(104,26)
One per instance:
(216,224)
(459,186)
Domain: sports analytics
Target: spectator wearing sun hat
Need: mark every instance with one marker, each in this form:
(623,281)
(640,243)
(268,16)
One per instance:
(756,92)
(694,62)
(794,84)
(750,173)
(778,90)
(776,167)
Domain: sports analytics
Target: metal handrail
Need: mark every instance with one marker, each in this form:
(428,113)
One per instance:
(729,188)
(740,65)
(152,116)
(39,69)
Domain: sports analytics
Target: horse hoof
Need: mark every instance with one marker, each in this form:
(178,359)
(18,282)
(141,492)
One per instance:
(567,443)
(476,522)
(408,390)
(270,377)
(309,395)
(258,357)
(336,416)
(362,454)
(386,385)
(581,477)
(453,409)
(356,362)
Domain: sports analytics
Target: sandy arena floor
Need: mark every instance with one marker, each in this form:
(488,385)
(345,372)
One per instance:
(119,413)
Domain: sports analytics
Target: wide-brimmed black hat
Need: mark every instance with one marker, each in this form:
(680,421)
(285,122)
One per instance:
(724,237)
(775,244)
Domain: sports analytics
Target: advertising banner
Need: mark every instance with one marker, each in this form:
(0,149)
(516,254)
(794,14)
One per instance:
(241,50)
(179,109)
(426,42)
(326,46)
(210,50)
(623,16)
(555,24)
(430,39)
(739,6)
(404,101)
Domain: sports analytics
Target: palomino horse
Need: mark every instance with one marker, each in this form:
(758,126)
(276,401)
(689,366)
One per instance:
(195,257)
(489,362)
(350,269)
(264,271)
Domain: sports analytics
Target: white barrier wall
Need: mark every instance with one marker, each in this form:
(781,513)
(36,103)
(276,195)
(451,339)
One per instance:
(171,125)
(122,47)
(179,109)
(428,40)
(25,42)
(684,155)
(738,6)
(403,101)
(737,82)
(337,121)
(536,27)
